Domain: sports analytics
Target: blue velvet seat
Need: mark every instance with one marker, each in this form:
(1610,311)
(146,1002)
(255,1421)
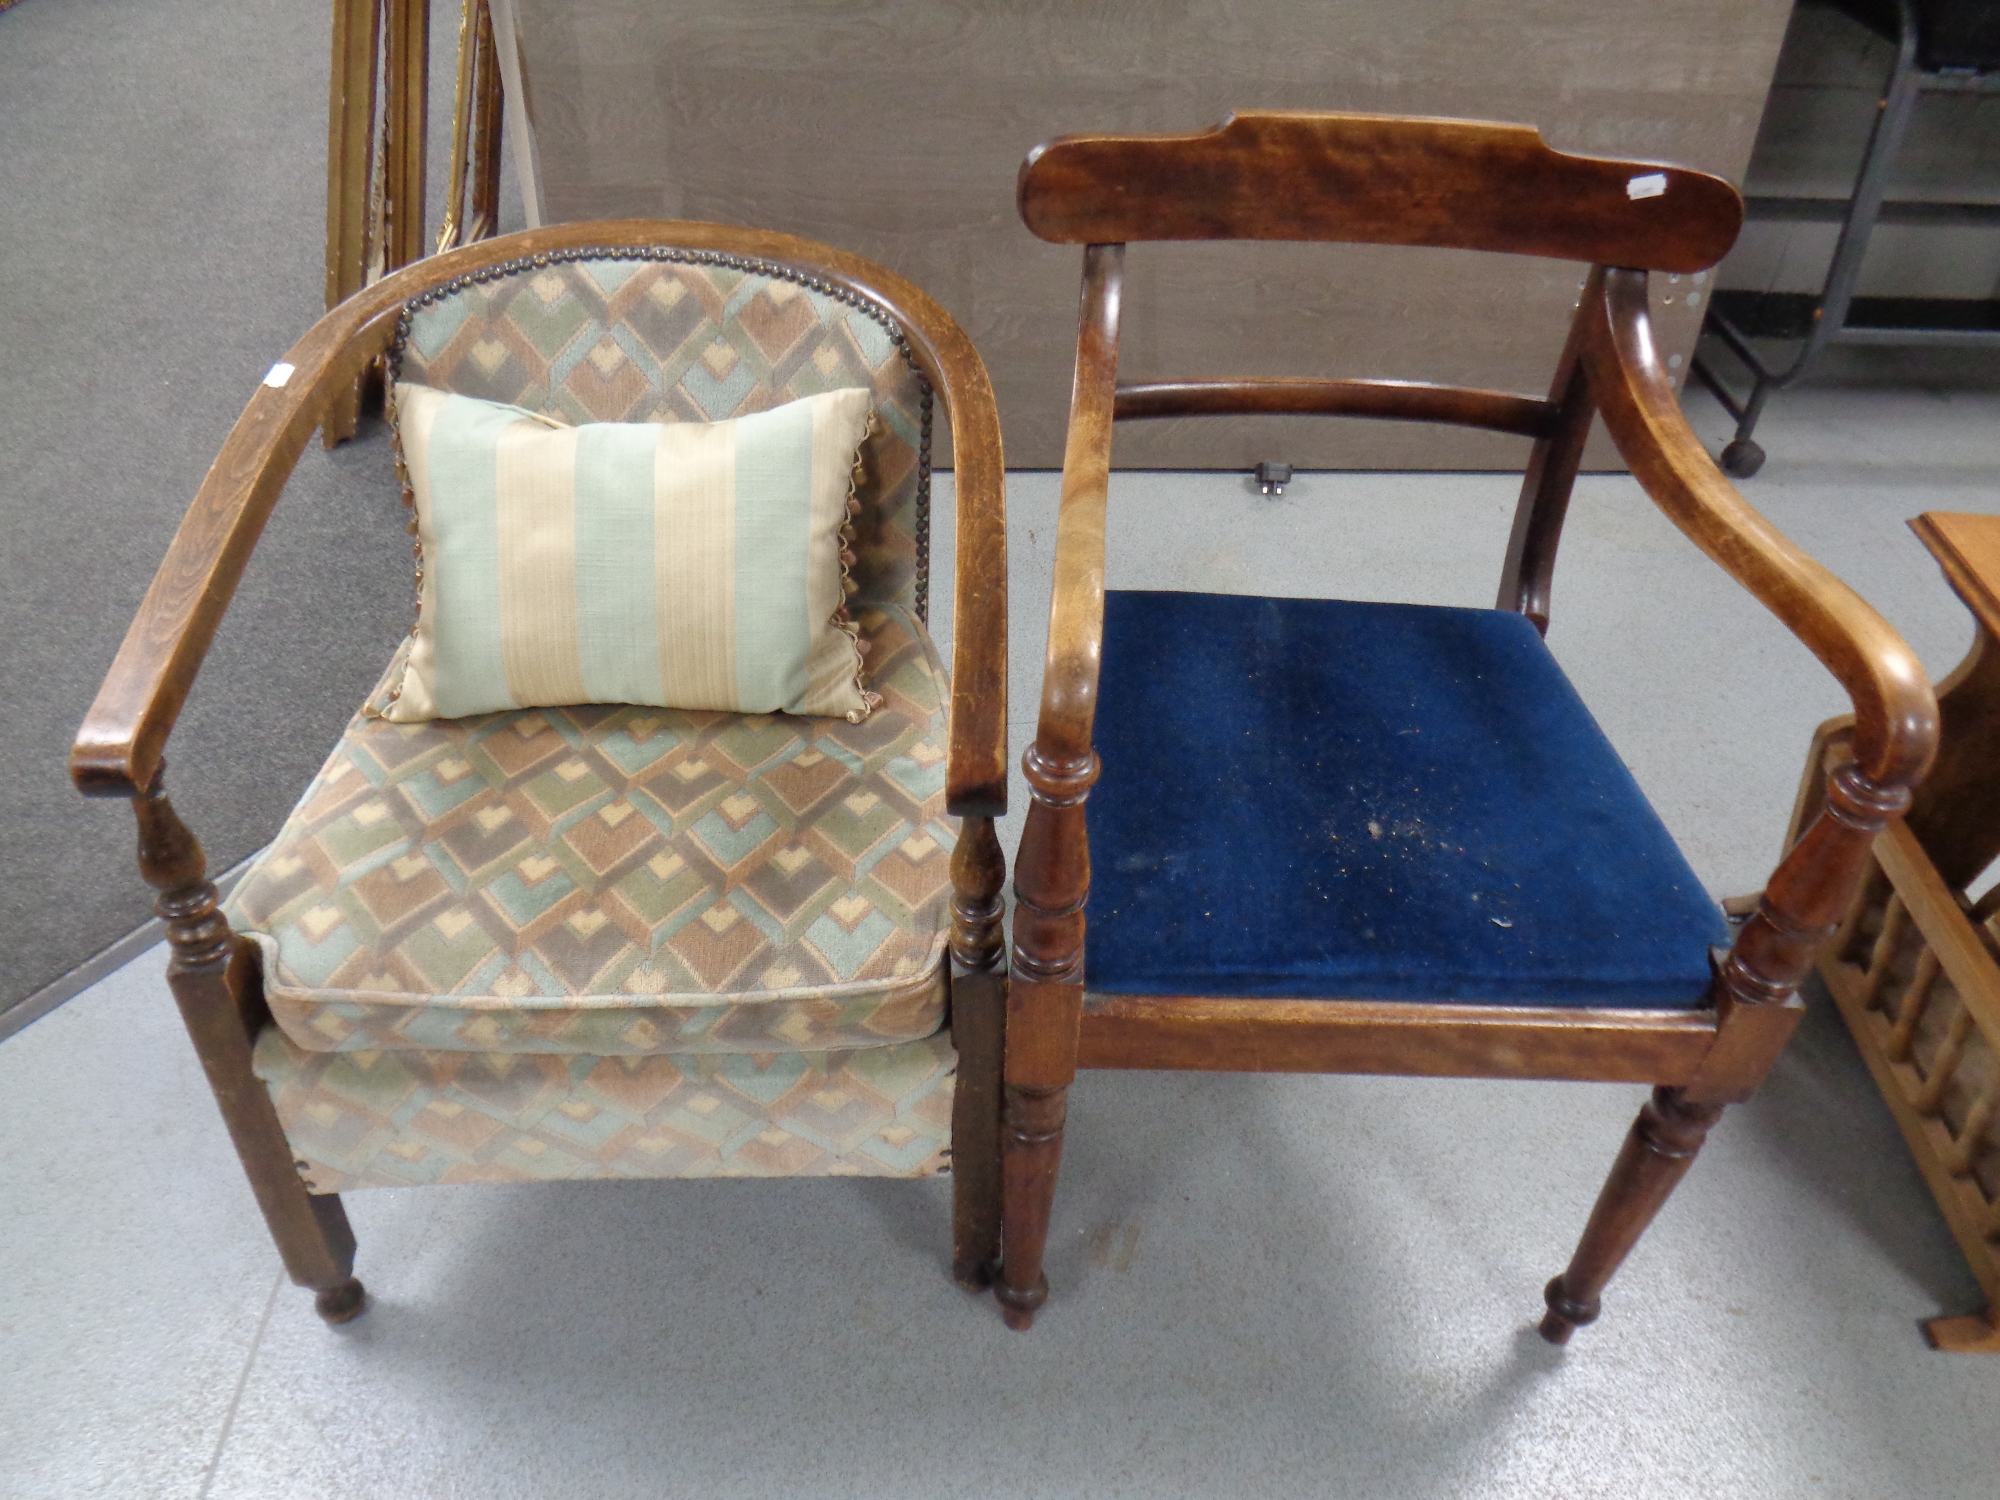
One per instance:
(1319,798)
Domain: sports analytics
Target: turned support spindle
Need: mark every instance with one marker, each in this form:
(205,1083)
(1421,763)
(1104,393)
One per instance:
(978,1019)
(310,1229)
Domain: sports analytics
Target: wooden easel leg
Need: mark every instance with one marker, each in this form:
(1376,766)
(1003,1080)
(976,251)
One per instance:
(1656,1156)
(213,985)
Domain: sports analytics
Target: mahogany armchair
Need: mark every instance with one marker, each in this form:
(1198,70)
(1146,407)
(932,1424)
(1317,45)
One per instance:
(1325,836)
(606,941)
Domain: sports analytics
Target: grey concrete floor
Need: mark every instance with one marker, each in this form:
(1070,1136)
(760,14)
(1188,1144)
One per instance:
(1263,1285)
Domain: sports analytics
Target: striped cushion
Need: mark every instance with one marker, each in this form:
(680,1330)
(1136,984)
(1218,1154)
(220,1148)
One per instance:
(680,565)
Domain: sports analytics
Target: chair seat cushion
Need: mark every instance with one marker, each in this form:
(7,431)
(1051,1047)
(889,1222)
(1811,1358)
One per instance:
(1309,798)
(393,1119)
(610,880)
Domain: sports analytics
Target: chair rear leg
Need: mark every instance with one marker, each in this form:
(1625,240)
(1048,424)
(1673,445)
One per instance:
(216,986)
(1656,1156)
(977,1002)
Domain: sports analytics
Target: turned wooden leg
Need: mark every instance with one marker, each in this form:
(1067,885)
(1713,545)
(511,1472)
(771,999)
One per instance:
(1656,1156)
(1757,1007)
(1044,1009)
(978,1019)
(216,988)
(1032,1146)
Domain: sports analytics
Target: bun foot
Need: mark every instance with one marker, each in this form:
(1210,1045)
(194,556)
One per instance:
(341,1304)
(1018,1308)
(1564,1316)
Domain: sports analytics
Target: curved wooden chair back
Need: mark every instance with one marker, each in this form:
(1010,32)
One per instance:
(1377,180)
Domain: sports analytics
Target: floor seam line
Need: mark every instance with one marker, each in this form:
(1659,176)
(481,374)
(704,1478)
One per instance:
(242,1381)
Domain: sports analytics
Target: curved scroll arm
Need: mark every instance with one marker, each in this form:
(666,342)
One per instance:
(1895,710)
(121,743)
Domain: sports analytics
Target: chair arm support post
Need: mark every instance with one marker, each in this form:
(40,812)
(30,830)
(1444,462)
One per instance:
(1896,716)
(1528,577)
(1799,913)
(310,1229)
(978,871)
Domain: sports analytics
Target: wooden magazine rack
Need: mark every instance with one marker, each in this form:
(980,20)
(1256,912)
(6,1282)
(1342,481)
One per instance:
(1916,967)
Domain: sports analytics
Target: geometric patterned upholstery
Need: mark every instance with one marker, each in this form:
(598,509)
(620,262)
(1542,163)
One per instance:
(610,941)
(610,336)
(392,1119)
(617,942)
(610,880)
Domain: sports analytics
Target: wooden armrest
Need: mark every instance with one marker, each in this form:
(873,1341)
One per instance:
(1896,717)
(1076,607)
(120,746)
(976,762)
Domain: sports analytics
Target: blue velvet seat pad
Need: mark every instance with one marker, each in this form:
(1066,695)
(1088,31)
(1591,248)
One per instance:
(1308,798)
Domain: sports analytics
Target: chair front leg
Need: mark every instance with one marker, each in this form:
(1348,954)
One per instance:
(1044,1009)
(311,1229)
(1799,914)
(1656,1156)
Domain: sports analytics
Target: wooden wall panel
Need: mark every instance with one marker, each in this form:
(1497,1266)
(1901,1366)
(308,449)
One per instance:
(895,127)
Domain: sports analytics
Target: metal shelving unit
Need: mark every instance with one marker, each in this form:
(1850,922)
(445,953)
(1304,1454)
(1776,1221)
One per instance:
(1941,46)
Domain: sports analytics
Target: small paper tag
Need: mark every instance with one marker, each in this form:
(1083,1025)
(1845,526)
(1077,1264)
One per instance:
(1650,186)
(277,376)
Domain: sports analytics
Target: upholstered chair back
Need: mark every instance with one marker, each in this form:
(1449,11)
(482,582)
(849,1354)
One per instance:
(664,335)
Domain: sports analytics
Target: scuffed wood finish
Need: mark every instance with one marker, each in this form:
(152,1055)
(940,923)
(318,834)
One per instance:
(1473,186)
(1394,400)
(310,1229)
(119,747)
(1382,1036)
(1378,180)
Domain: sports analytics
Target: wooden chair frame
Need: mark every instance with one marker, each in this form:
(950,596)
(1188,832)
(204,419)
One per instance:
(215,975)
(1368,179)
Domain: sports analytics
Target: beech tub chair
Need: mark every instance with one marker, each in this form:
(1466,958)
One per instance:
(605,940)
(1314,835)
